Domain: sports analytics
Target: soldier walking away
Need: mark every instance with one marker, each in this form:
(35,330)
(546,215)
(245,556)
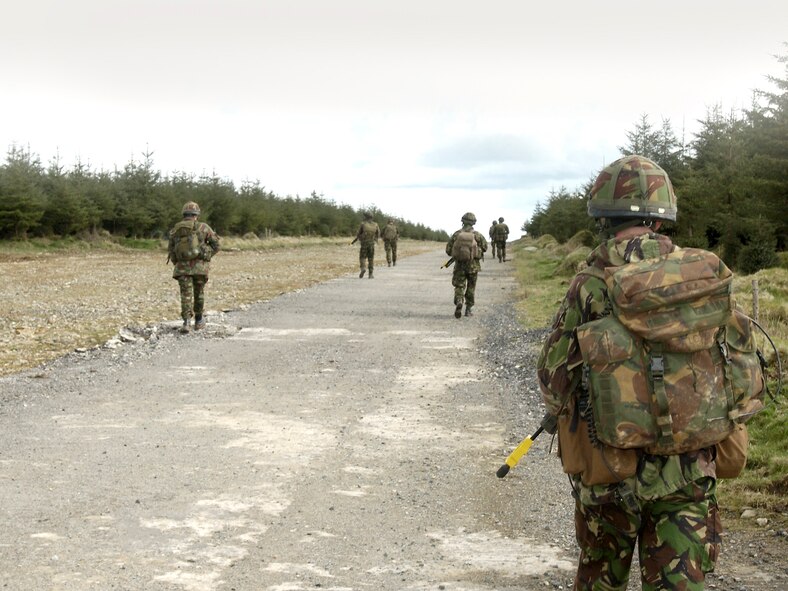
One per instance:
(466,248)
(367,236)
(191,246)
(501,232)
(492,236)
(661,496)
(390,237)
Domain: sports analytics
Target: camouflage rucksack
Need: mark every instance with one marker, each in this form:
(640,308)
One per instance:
(368,231)
(187,241)
(673,368)
(465,247)
(390,232)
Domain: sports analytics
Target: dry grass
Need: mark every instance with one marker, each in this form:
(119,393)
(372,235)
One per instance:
(57,301)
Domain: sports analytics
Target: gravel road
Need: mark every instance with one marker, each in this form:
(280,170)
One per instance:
(341,437)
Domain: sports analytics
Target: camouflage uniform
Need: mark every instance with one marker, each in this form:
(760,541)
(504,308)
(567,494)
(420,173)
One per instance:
(464,276)
(367,238)
(193,275)
(501,233)
(390,237)
(668,507)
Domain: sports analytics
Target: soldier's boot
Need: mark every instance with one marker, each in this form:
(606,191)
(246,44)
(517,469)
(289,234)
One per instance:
(199,323)
(360,275)
(468,311)
(394,262)
(370,273)
(458,310)
(184,329)
(389,263)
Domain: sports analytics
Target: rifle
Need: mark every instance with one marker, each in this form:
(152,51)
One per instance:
(448,263)
(549,424)
(354,241)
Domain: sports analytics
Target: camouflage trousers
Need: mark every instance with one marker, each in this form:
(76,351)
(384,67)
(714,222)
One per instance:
(366,253)
(492,244)
(464,282)
(499,246)
(192,295)
(678,538)
(391,251)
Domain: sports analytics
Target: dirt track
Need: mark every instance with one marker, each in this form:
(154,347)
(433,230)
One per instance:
(339,437)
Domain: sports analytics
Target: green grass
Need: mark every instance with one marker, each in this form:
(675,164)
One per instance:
(764,482)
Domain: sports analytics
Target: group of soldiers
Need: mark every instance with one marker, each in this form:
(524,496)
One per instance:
(192,261)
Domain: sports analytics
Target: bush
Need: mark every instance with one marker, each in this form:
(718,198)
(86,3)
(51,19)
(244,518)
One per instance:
(572,262)
(756,256)
(582,238)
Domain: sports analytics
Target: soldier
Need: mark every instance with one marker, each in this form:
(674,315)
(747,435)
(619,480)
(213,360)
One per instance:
(390,237)
(665,504)
(367,236)
(501,234)
(191,246)
(492,236)
(466,247)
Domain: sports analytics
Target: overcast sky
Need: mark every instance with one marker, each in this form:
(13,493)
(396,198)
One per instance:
(425,108)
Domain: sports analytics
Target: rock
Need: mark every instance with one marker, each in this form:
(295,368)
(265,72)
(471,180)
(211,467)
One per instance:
(748,514)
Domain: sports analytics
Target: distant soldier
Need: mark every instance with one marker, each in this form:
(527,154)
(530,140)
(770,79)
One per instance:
(501,235)
(492,236)
(390,237)
(466,247)
(367,236)
(191,246)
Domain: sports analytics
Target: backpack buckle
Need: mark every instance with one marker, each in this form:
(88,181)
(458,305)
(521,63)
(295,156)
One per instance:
(657,367)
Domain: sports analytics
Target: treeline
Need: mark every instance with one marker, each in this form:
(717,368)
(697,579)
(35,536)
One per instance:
(140,202)
(731,182)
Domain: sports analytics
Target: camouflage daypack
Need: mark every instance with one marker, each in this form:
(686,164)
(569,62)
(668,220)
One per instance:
(673,368)
(187,241)
(389,232)
(465,247)
(368,231)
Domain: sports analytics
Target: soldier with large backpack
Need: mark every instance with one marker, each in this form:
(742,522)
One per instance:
(466,248)
(367,236)
(191,246)
(651,373)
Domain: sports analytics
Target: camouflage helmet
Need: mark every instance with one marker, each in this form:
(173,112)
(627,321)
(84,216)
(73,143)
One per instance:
(367,215)
(468,218)
(190,208)
(500,220)
(495,222)
(632,187)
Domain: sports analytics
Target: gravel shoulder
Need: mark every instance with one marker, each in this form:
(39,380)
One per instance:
(340,436)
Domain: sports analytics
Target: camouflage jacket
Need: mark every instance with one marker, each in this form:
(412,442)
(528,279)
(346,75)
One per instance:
(560,364)
(468,266)
(209,245)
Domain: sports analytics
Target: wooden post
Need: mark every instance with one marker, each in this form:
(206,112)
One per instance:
(755,300)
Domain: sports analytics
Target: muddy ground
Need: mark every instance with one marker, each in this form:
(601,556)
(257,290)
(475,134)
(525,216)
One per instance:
(341,436)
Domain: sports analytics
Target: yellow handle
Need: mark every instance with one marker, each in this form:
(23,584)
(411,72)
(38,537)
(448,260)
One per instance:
(519,452)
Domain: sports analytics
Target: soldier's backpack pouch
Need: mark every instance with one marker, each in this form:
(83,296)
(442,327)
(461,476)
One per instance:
(731,452)
(596,464)
(464,248)
(673,368)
